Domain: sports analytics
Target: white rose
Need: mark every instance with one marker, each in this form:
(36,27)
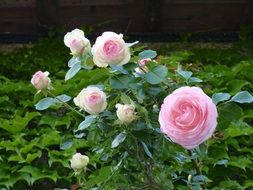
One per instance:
(110,48)
(92,100)
(79,162)
(41,81)
(125,113)
(77,42)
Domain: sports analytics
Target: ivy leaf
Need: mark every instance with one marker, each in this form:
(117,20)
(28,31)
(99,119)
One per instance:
(157,74)
(73,71)
(87,122)
(118,139)
(148,54)
(242,97)
(220,97)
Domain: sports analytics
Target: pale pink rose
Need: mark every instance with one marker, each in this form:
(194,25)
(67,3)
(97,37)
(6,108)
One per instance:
(188,117)
(79,162)
(77,42)
(92,100)
(110,48)
(41,81)
(125,113)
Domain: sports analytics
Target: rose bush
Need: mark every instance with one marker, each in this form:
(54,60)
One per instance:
(187,116)
(37,147)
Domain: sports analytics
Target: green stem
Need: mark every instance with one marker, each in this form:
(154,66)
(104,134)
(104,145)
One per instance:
(66,104)
(197,168)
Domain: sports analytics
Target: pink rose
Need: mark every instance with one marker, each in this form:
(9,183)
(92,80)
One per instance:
(41,81)
(110,48)
(92,100)
(77,43)
(188,117)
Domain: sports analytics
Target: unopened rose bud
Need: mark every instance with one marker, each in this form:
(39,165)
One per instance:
(41,81)
(143,62)
(79,162)
(125,113)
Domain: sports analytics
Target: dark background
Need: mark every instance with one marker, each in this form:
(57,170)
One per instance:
(146,20)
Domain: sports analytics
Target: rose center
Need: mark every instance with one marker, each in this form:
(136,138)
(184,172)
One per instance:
(94,98)
(111,48)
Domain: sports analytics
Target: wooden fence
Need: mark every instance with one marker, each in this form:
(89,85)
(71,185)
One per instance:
(134,17)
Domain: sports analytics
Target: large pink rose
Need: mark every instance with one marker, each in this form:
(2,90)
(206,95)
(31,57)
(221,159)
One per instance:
(188,117)
(110,48)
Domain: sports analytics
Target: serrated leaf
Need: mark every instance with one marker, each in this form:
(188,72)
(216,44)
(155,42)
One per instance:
(149,154)
(118,139)
(220,97)
(120,81)
(45,103)
(185,74)
(242,97)
(73,61)
(88,121)
(148,54)
(157,74)
(73,71)
(63,98)
(66,144)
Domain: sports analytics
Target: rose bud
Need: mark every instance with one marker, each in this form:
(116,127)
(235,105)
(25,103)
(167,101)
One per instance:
(41,81)
(126,113)
(79,162)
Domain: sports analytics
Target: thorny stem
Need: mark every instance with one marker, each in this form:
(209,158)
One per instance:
(66,104)
(197,168)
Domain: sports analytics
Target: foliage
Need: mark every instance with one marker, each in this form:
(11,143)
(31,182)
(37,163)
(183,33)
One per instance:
(36,146)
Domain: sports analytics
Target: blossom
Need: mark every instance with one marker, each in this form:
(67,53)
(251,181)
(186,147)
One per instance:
(188,117)
(125,113)
(77,42)
(41,81)
(110,48)
(79,162)
(92,100)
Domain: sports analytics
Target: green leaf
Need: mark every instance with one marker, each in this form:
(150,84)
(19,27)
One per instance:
(242,97)
(118,139)
(66,144)
(194,80)
(62,98)
(220,97)
(73,61)
(238,129)
(120,81)
(157,74)
(18,123)
(73,71)
(88,121)
(149,154)
(185,74)
(148,54)
(45,103)
(99,177)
